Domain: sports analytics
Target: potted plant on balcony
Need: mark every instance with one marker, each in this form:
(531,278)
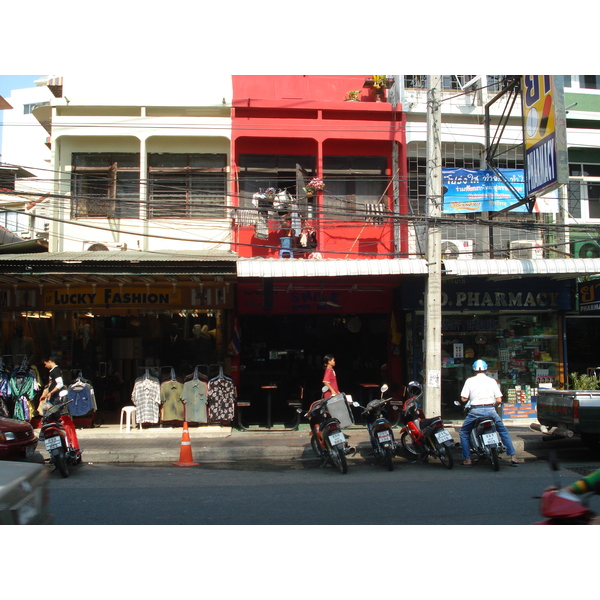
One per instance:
(352,96)
(314,185)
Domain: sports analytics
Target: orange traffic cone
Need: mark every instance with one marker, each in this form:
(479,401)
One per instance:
(185,454)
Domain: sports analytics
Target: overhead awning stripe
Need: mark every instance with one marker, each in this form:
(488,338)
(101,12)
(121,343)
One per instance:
(523,267)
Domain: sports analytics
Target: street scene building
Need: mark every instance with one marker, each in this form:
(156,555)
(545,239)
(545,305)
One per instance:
(237,230)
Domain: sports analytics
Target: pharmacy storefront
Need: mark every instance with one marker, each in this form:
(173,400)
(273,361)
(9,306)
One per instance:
(515,325)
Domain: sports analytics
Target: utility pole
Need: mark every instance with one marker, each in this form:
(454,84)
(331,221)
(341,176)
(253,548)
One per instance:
(433,292)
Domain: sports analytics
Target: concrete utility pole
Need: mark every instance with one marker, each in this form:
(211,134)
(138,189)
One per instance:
(433,292)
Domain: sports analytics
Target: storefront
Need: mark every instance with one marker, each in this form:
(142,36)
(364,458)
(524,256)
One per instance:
(515,325)
(111,321)
(288,325)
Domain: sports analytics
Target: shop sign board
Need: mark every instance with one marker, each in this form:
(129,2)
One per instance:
(589,297)
(110,296)
(478,190)
(544,133)
(521,295)
(311,301)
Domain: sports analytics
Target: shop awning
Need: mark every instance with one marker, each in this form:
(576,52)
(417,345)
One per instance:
(558,268)
(128,266)
(273,267)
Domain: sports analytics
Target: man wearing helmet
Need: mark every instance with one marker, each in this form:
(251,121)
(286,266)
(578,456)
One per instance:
(484,395)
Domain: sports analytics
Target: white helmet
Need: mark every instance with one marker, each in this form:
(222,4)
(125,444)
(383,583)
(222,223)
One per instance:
(480,365)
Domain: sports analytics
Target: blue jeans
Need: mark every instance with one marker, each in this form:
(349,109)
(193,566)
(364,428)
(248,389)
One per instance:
(469,423)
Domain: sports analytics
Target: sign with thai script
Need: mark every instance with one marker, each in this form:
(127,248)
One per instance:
(477,190)
(544,132)
(589,296)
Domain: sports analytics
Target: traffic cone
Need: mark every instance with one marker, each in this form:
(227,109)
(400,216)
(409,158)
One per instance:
(185,454)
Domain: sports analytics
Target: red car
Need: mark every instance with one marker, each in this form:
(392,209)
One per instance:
(17,439)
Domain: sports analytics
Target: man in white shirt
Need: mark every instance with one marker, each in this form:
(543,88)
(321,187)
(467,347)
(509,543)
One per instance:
(484,395)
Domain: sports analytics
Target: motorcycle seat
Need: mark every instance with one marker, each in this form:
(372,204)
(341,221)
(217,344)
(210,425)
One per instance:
(427,422)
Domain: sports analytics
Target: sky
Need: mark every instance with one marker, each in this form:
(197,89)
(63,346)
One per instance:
(13,82)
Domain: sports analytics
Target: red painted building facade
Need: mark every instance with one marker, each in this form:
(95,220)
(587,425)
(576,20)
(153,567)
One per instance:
(286,131)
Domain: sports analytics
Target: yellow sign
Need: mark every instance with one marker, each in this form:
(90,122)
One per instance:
(544,126)
(110,296)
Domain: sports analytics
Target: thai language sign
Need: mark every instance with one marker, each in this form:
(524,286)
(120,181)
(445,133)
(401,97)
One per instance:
(478,190)
(589,296)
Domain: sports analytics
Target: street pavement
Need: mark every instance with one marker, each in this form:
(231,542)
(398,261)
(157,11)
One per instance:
(107,443)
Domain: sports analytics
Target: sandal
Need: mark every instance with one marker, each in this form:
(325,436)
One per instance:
(467,464)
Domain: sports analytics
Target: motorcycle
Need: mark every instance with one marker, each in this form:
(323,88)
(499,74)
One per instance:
(380,430)
(327,438)
(421,437)
(60,437)
(484,439)
(560,506)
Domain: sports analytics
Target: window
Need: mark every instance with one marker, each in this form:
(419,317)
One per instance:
(105,185)
(187,186)
(258,172)
(352,183)
(584,191)
(14,221)
(589,82)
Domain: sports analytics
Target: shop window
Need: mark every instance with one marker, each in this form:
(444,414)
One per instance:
(352,183)
(105,185)
(187,186)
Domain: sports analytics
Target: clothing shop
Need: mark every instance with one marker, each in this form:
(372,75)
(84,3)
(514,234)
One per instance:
(112,333)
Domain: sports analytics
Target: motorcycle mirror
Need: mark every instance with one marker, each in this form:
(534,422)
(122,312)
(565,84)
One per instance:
(457,403)
(384,388)
(355,404)
(324,389)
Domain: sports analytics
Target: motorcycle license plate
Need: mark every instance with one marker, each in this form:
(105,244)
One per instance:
(53,442)
(443,436)
(490,438)
(384,436)
(337,438)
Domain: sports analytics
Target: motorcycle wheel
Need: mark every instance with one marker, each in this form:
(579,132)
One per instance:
(409,444)
(389,458)
(314,444)
(60,462)
(446,456)
(339,458)
(494,459)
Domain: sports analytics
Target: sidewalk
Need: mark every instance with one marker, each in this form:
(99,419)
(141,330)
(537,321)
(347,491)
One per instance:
(107,444)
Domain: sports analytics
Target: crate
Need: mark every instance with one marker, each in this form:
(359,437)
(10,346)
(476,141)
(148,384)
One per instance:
(340,409)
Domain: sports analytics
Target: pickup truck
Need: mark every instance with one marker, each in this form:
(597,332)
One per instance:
(568,413)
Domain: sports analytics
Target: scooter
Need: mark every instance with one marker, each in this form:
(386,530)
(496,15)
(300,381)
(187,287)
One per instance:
(60,437)
(380,430)
(327,438)
(559,506)
(421,437)
(484,439)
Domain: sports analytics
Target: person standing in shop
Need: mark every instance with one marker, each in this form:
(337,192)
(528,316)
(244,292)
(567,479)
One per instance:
(55,384)
(329,376)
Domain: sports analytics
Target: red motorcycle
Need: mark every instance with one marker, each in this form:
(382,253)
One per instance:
(559,506)
(421,437)
(60,437)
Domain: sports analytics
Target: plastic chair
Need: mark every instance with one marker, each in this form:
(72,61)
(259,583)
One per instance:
(129,413)
(286,247)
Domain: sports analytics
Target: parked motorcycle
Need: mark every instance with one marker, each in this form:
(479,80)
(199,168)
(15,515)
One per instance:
(559,506)
(421,437)
(484,439)
(327,416)
(380,429)
(60,437)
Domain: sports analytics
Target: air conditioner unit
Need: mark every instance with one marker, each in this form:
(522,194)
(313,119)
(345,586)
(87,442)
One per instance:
(589,249)
(103,246)
(457,249)
(526,249)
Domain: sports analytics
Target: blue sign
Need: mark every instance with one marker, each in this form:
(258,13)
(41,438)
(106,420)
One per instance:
(478,190)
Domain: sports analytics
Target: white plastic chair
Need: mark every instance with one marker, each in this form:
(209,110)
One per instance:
(129,413)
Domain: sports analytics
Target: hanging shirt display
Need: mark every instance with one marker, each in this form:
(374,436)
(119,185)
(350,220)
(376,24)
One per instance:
(146,399)
(221,398)
(171,391)
(81,393)
(195,396)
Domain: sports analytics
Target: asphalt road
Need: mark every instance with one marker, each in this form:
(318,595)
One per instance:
(301,494)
